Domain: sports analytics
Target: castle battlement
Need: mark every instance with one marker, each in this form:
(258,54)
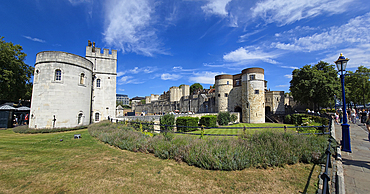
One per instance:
(92,51)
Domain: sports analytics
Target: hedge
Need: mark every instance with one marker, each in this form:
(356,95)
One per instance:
(187,122)
(168,119)
(208,121)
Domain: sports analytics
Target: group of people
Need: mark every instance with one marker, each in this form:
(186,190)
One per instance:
(20,119)
(353,115)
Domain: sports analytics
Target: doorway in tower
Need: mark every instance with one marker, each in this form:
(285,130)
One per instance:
(239,110)
(267,110)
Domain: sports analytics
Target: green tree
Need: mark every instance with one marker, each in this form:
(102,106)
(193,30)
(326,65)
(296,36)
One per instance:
(194,87)
(315,85)
(357,85)
(15,75)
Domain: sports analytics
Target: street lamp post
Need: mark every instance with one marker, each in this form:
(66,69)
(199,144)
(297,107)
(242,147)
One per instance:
(346,139)
(335,102)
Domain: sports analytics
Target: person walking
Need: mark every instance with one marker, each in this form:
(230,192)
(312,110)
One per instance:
(368,127)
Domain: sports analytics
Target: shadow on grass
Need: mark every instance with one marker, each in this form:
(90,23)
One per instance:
(309,179)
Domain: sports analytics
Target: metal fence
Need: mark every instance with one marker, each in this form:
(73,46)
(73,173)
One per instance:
(149,126)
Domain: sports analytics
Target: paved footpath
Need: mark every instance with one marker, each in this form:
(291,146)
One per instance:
(356,165)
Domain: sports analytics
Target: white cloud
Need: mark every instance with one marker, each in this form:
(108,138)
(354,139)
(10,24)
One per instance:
(288,76)
(289,11)
(125,79)
(167,76)
(129,26)
(357,30)
(282,86)
(76,2)
(358,56)
(217,7)
(34,39)
(121,89)
(180,69)
(289,67)
(250,53)
(120,73)
(136,70)
(205,77)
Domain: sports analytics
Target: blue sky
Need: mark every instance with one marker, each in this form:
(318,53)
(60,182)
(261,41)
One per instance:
(168,43)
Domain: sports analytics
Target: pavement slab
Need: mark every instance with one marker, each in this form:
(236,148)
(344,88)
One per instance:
(356,165)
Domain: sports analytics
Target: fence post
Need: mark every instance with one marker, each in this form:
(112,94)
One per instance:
(325,175)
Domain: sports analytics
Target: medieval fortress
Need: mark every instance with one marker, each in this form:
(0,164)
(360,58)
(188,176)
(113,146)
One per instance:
(245,93)
(70,90)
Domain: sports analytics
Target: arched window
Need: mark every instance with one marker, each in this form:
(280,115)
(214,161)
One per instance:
(37,75)
(80,118)
(97,116)
(58,75)
(98,83)
(82,78)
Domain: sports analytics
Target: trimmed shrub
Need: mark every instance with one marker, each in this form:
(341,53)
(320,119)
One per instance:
(208,121)
(168,119)
(233,118)
(223,118)
(288,119)
(187,122)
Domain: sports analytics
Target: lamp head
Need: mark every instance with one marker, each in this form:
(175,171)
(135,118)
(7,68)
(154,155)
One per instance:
(341,62)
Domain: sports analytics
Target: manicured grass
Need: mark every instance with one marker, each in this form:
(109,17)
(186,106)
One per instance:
(41,163)
(233,131)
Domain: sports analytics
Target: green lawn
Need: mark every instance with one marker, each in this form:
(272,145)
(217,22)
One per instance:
(234,131)
(41,163)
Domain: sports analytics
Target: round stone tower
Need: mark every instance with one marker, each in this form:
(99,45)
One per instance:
(223,86)
(253,95)
(61,95)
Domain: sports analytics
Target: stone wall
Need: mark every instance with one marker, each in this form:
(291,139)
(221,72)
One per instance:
(68,99)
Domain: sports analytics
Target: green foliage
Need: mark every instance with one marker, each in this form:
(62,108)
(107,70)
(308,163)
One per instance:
(262,149)
(25,129)
(15,75)
(187,122)
(233,118)
(194,87)
(305,119)
(315,84)
(168,119)
(140,125)
(223,118)
(208,121)
(357,86)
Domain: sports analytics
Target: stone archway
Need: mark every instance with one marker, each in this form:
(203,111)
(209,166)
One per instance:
(239,110)
(267,110)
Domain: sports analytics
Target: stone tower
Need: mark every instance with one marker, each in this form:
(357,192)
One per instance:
(104,84)
(61,95)
(223,86)
(253,95)
(70,90)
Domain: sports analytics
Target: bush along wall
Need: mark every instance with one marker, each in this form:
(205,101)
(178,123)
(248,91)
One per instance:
(223,118)
(142,125)
(168,119)
(187,122)
(299,119)
(261,149)
(208,121)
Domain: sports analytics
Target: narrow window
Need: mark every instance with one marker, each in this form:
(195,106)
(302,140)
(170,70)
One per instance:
(252,77)
(58,75)
(98,83)
(82,77)
(37,75)
(256,91)
(225,94)
(219,95)
(227,82)
(96,116)
(79,118)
